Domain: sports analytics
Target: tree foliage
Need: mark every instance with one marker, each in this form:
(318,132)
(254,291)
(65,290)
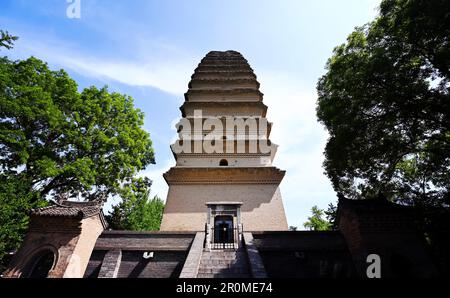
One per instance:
(55,140)
(7,40)
(331,216)
(385,102)
(316,222)
(136,212)
(63,141)
(15,201)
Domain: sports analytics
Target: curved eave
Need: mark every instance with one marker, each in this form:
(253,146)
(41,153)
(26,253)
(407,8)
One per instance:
(224,175)
(218,81)
(230,92)
(212,104)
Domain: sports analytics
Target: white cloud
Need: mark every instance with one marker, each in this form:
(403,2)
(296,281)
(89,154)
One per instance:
(168,78)
(168,75)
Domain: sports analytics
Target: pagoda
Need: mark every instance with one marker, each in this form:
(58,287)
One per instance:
(224,180)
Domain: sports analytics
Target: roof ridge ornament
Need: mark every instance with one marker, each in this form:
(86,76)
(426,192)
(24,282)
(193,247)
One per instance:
(63,200)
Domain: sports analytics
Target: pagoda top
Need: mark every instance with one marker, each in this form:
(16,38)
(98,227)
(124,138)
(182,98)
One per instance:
(223,76)
(229,53)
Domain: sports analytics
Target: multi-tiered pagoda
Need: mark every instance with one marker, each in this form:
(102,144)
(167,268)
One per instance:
(234,186)
(224,216)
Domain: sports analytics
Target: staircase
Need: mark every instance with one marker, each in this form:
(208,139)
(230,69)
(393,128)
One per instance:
(224,264)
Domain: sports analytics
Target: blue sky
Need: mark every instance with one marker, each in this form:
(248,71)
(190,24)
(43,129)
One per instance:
(149,50)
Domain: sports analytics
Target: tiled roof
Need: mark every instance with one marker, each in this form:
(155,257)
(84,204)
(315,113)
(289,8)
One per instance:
(70,209)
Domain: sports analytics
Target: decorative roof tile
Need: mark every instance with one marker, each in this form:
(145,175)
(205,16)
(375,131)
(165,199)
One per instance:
(67,208)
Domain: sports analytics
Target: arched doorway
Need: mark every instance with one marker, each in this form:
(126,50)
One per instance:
(223,231)
(41,265)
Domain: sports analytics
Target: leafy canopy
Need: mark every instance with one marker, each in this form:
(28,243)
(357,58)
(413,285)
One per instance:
(136,211)
(316,222)
(7,40)
(385,102)
(55,140)
(15,201)
(63,141)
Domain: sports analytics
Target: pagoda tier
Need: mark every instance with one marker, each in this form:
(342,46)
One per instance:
(229,126)
(224,152)
(223,77)
(226,108)
(224,87)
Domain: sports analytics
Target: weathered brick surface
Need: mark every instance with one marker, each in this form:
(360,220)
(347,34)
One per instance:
(61,244)
(110,265)
(262,208)
(304,240)
(68,230)
(95,263)
(192,263)
(386,229)
(310,264)
(91,228)
(70,239)
(170,250)
(144,241)
(254,259)
(164,264)
(304,254)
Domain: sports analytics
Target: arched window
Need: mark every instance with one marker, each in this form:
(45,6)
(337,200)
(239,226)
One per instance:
(41,265)
(223,163)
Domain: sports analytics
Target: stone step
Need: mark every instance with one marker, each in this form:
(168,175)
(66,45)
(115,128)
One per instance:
(229,251)
(232,275)
(222,257)
(223,254)
(205,275)
(223,271)
(216,251)
(216,262)
(232,265)
(223,276)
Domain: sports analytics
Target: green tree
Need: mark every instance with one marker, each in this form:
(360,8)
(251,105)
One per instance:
(55,140)
(136,212)
(7,40)
(15,201)
(331,215)
(316,222)
(385,102)
(63,141)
